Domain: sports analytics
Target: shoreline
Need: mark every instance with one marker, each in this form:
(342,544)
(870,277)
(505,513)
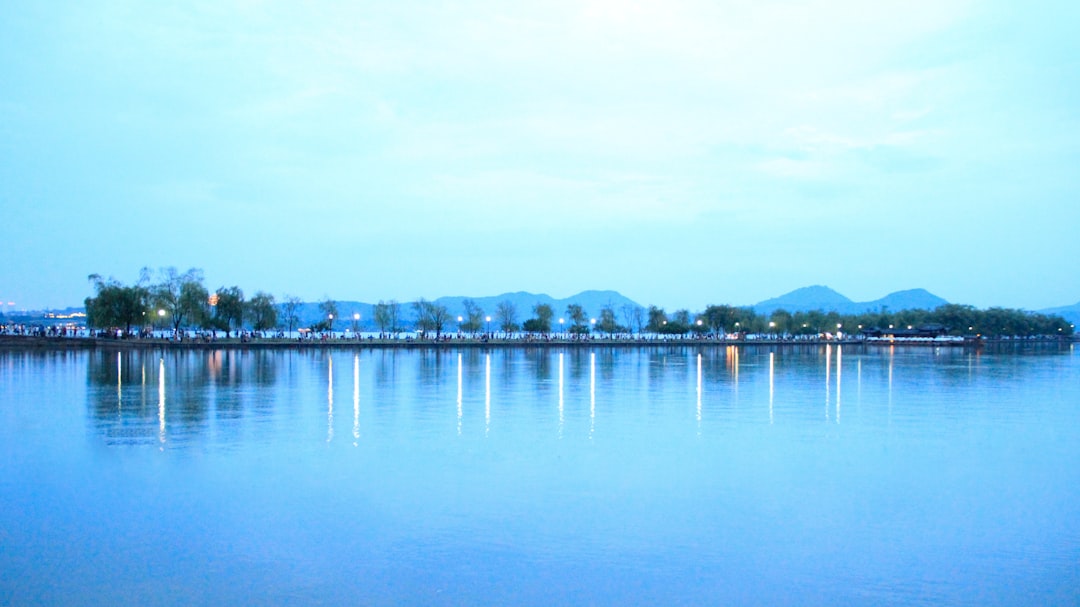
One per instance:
(26,342)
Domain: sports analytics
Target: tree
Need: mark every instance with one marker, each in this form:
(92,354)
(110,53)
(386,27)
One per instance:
(782,321)
(474,316)
(329,310)
(657,319)
(607,323)
(678,324)
(720,319)
(386,315)
(576,314)
(543,313)
(629,312)
(290,311)
(506,314)
(639,319)
(431,316)
(261,311)
(534,325)
(182,296)
(229,310)
(117,305)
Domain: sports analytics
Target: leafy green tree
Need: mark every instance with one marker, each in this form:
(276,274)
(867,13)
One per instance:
(182,296)
(721,319)
(781,321)
(607,322)
(544,314)
(678,324)
(576,314)
(657,320)
(229,310)
(261,311)
(116,305)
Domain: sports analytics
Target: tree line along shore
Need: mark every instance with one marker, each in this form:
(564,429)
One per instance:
(178,303)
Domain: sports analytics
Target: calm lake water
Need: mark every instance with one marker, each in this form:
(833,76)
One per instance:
(664,475)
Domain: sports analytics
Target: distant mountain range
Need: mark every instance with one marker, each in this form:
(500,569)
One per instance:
(823,298)
(1069,313)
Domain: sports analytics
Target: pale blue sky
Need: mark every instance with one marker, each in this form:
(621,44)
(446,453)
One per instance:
(682,153)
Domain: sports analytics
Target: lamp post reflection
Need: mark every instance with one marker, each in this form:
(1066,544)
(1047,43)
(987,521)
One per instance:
(592,393)
(459,409)
(487,393)
(560,393)
(839,372)
(699,391)
(356,400)
(828,378)
(161,401)
(772,391)
(330,401)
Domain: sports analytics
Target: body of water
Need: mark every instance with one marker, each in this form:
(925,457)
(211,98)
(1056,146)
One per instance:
(810,475)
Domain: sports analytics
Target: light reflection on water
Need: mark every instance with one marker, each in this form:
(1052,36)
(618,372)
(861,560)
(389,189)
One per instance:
(538,476)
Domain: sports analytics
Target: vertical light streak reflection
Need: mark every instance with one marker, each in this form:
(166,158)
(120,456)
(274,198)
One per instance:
(161,401)
(142,388)
(356,400)
(828,375)
(858,377)
(736,362)
(330,402)
(839,370)
(560,394)
(459,411)
(699,391)
(772,389)
(592,393)
(119,383)
(892,352)
(487,394)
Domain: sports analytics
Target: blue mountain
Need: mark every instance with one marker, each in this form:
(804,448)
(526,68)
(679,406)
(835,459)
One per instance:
(823,298)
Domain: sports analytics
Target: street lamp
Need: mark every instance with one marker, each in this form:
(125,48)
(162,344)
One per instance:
(487,324)
(460,319)
(161,316)
(331,323)
(356,324)
(561,321)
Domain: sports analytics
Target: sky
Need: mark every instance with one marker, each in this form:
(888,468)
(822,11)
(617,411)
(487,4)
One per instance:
(681,153)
